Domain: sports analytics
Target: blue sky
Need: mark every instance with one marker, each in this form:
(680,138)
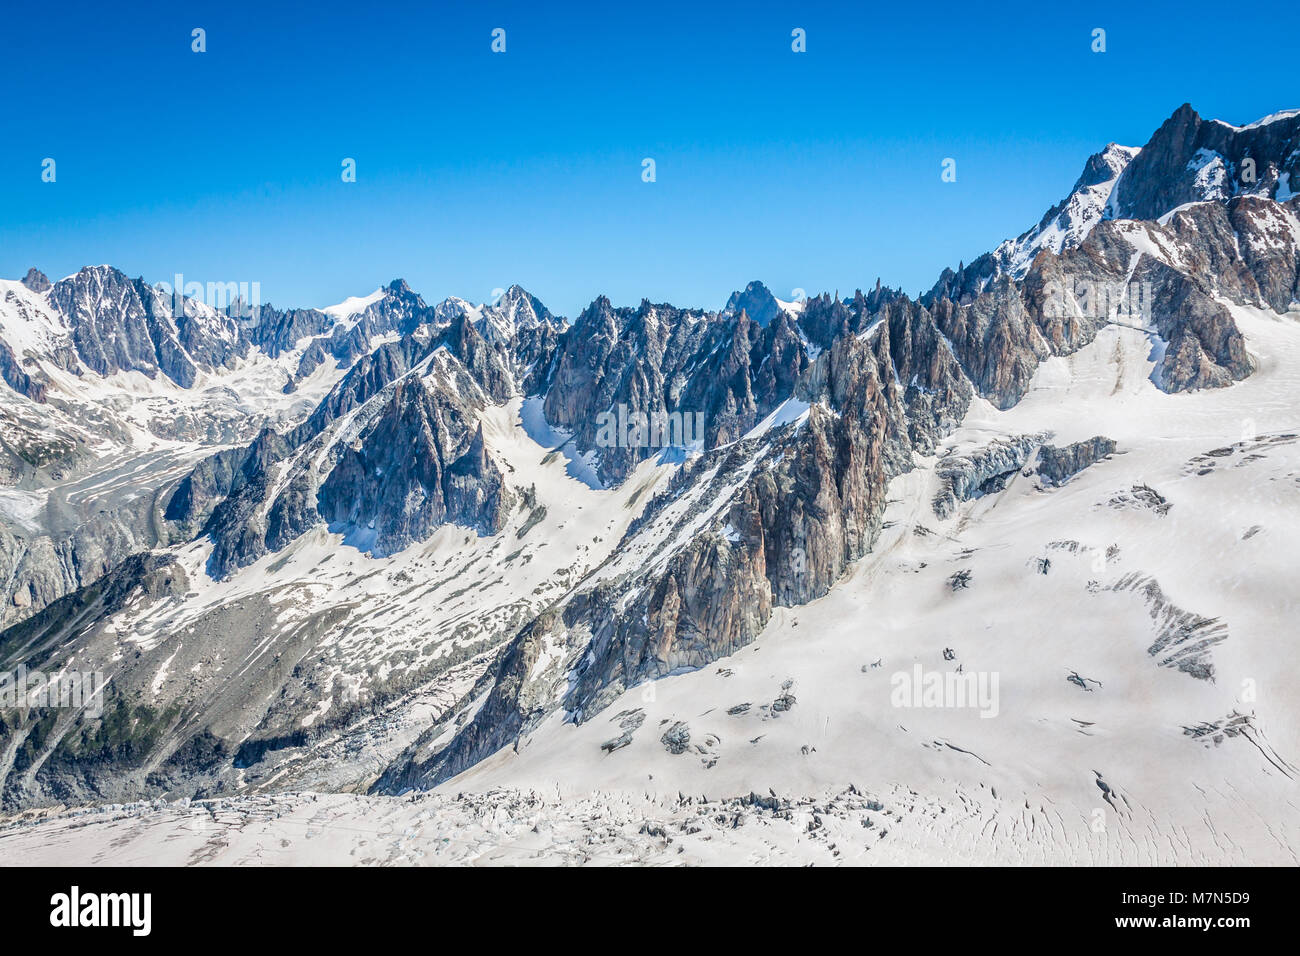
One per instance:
(818,170)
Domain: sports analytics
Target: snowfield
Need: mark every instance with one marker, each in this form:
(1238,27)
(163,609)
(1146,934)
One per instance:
(1133,626)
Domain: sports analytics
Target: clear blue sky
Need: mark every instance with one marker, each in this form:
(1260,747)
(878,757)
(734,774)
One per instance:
(818,170)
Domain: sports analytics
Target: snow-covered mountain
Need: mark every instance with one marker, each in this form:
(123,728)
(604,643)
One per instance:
(115,395)
(1187,161)
(385,546)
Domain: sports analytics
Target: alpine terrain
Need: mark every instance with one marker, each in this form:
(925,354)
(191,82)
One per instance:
(1003,573)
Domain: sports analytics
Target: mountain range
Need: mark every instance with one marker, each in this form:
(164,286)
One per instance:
(380,546)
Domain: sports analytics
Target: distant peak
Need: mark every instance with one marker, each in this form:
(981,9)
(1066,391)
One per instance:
(756,301)
(521,308)
(36,280)
(100,273)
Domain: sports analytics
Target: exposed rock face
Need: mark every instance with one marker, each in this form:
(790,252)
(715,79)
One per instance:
(1056,466)
(996,340)
(413,468)
(277,332)
(1262,229)
(1001,334)
(658,360)
(676,738)
(45,567)
(1205,347)
(36,280)
(391,454)
(16,377)
(125,325)
(1190,160)
(756,301)
(76,754)
(218,477)
(936,391)
(985,471)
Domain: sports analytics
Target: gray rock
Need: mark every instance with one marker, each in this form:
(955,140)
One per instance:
(1056,466)
(984,471)
(676,738)
(36,280)
(756,301)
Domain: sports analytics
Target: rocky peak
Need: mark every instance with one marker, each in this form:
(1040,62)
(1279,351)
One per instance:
(1190,159)
(1105,166)
(1063,226)
(449,308)
(36,280)
(522,309)
(112,328)
(516,311)
(757,301)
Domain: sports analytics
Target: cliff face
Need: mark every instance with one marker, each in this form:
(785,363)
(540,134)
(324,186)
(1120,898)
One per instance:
(1059,465)
(393,453)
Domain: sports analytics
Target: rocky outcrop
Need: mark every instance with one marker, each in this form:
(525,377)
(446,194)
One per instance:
(218,477)
(657,360)
(984,471)
(36,280)
(1265,233)
(1056,465)
(996,340)
(391,454)
(1204,349)
(16,377)
(418,464)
